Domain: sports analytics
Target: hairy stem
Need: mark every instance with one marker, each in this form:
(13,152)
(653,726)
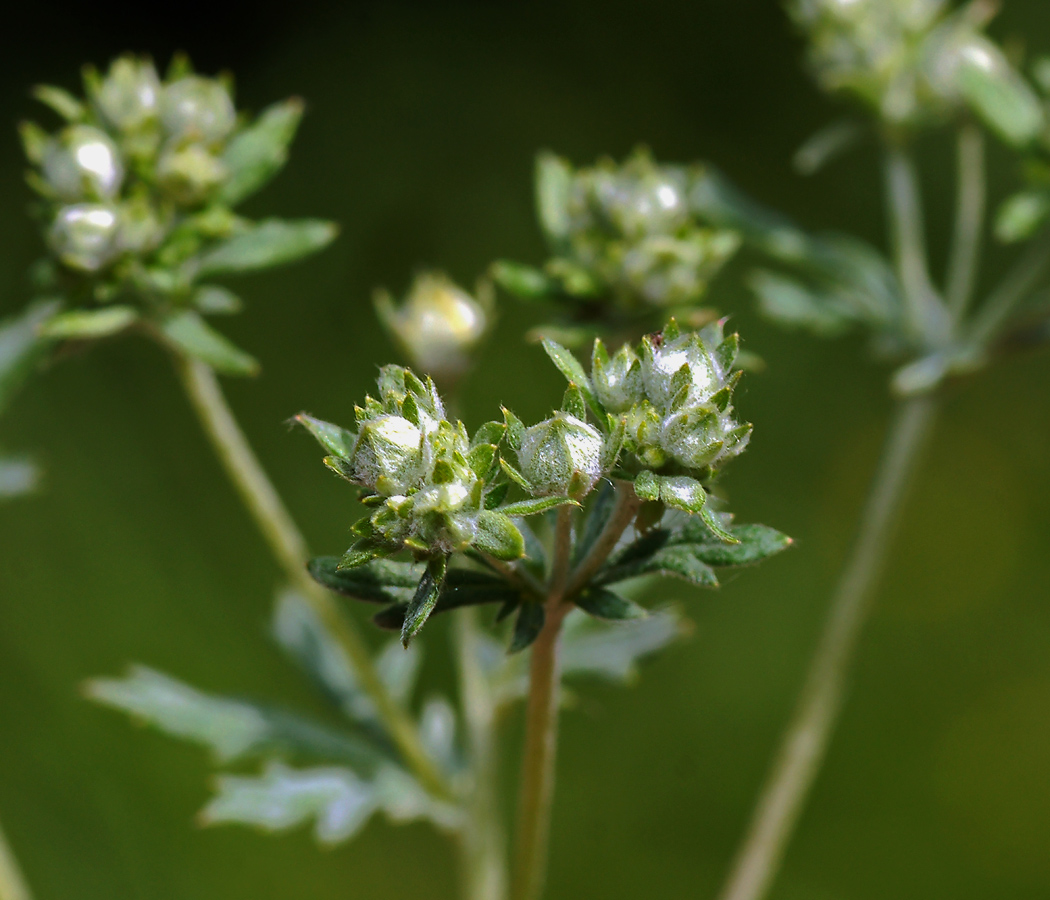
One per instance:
(923,306)
(484,852)
(969,221)
(12,883)
(289,547)
(804,742)
(541,728)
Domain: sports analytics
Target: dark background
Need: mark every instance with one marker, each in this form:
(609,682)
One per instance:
(422,124)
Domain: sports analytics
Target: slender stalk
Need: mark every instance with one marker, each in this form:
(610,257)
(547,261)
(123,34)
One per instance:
(12,883)
(623,513)
(969,221)
(289,547)
(924,308)
(483,847)
(541,728)
(804,742)
(1019,282)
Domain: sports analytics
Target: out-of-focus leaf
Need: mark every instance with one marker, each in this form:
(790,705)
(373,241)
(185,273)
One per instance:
(21,346)
(259,152)
(18,476)
(997,92)
(304,637)
(525,282)
(191,335)
(271,242)
(1022,215)
(612,651)
(827,144)
(61,101)
(87,324)
(336,800)
(597,519)
(214,300)
(437,730)
(553,183)
(792,303)
(232,729)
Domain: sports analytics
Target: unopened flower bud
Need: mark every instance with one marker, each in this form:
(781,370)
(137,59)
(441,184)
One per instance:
(197,108)
(190,174)
(617,381)
(437,326)
(83,163)
(561,456)
(663,360)
(85,236)
(388,448)
(129,96)
(141,229)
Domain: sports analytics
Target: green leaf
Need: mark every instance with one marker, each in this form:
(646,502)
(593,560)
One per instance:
(535,505)
(680,561)
(681,492)
(188,333)
(21,346)
(791,303)
(570,367)
(498,536)
(376,581)
(426,597)
(482,458)
(232,729)
(360,553)
(827,144)
(213,300)
(573,403)
(754,543)
(489,433)
(87,324)
(604,604)
(527,626)
(336,800)
(333,438)
(609,650)
(62,102)
(463,587)
(259,152)
(553,184)
(998,93)
(597,518)
(304,637)
(515,429)
(525,282)
(272,242)
(1022,215)
(515,476)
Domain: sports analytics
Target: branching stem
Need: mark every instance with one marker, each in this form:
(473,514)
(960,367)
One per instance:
(804,742)
(289,547)
(1015,287)
(12,883)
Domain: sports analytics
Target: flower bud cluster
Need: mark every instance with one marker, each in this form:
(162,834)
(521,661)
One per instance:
(917,60)
(131,161)
(622,234)
(432,489)
(675,394)
(439,325)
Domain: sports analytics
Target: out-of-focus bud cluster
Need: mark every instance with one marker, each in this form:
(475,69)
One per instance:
(915,62)
(623,238)
(434,490)
(137,189)
(438,325)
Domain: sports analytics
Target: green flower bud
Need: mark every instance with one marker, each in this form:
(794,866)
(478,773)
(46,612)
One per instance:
(663,360)
(85,236)
(129,96)
(617,381)
(197,108)
(141,229)
(438,325)
(561,456)
(189,174)
(637,199)
(83,163)
(388,454)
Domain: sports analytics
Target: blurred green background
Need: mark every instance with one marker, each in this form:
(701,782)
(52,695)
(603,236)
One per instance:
(421,129)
